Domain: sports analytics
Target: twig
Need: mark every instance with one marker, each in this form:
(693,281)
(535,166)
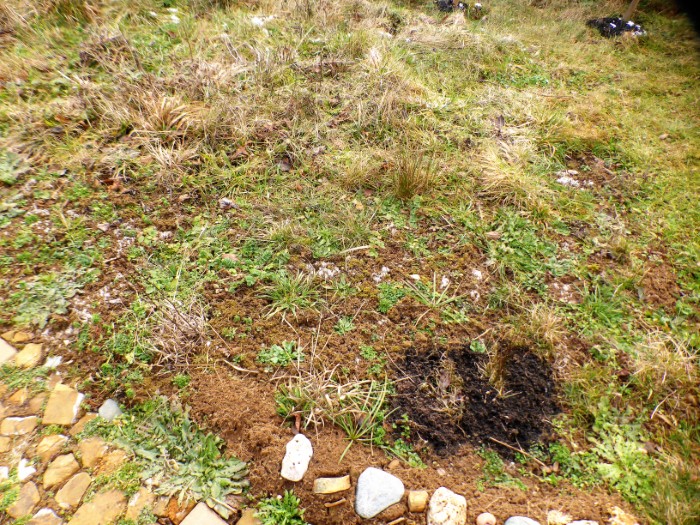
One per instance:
(335,503)
(239,368)
(517,450)
(355,249)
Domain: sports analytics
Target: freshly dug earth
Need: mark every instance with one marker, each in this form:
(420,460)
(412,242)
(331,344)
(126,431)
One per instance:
(450,401)
(241,409)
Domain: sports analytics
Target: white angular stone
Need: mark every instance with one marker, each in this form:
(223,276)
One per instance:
(25,470)
(109,410)
(53,362)
(202,515)
(4,473)
(376,491)
(521,520)
(297,458)
(45,517)
(447,508)
(583,522)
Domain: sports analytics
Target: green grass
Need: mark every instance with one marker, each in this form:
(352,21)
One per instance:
(434,152)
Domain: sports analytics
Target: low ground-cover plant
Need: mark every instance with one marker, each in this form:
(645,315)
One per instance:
(173,451)
(282,510)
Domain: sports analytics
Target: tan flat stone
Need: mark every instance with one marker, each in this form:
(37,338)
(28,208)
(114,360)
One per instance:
(113,461)
(45,517)
(331,485)
(139,501)
(91,451)
(3,410)
(26,501)
(29,356)
(20,337)
(19,398)
(202,515)
(50,446)
(249,517)
(63,406)
(8,336)
(80,425)
(37,402)
(18,426)
(5,444)
(178,512)
(418,500)
(73,491)
(7,352)
(59,470)
(102,510)
(160,507)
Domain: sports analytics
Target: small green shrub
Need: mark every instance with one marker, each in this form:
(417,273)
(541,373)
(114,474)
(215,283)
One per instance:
(282,510)
(280,355)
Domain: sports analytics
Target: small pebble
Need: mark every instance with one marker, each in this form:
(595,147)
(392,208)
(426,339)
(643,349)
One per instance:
(110,410)
(486,518)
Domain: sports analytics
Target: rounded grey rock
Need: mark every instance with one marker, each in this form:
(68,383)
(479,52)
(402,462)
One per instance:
(109,410)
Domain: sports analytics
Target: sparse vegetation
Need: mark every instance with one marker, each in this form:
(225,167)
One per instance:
(188,187)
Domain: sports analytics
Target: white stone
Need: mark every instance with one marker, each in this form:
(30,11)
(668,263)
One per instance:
(7,352)
(110,410)
(447,508)
(25,470)
(583,522)
(297,458)
(4,473)
(376,491)
(53,362)
(521,520)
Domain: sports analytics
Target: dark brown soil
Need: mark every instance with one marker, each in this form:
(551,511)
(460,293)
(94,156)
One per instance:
(659,286)
(451,402)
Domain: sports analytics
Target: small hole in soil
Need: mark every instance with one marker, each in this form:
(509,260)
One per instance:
(459,397)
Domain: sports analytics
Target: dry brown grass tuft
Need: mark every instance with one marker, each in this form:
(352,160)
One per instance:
(414,174)
(178,333)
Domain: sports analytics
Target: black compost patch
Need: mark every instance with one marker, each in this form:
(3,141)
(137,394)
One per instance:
(615,26)
(450,402)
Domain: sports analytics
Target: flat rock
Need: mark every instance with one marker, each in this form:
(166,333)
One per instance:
(73,491)
(26,501)
(45,517)
(19,398)
(249,517)
(29,356)
(37,402)
(202,515)
(4,473)
(109,410)
(297,458)
(5,444)
(18,426)
(59,470)
(63,406)
(80,425)
(102,510)
(331,485)
(376,490)
(20,337)
(521,520)
(418,500)
(447,508)
(50,446)
(113,461)
(7,352)
(91,451)
(139,501)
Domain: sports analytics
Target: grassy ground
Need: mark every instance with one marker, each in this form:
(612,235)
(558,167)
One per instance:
(194,185)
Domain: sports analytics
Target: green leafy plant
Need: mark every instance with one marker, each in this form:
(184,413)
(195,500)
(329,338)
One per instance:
(280,355)
(389,294)
(176,454)
(494,472)
(344,325)
(282,510)
(11,168)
